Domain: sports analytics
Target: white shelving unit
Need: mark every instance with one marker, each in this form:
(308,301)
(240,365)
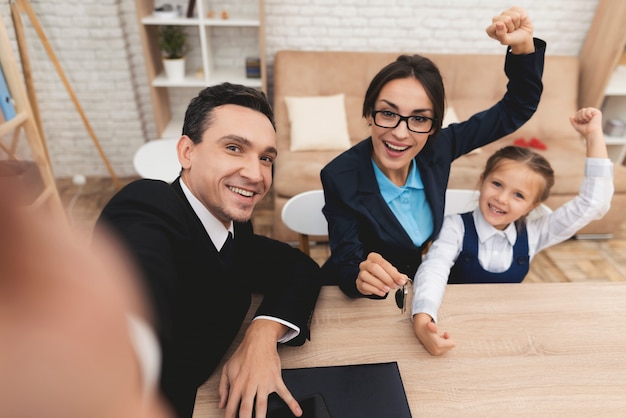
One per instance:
(614,107)
(208,32)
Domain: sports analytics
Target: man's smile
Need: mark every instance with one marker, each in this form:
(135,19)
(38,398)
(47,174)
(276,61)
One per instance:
(243,192)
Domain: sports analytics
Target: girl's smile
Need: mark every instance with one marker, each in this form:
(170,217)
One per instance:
(508,193)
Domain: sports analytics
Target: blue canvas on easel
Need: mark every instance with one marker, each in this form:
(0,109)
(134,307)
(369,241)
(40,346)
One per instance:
(6,102)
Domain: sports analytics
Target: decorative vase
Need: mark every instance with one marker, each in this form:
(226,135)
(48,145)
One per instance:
(174,69)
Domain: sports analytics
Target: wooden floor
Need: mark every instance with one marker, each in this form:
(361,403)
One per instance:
(573,260)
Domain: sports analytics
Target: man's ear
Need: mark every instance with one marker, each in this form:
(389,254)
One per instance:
(184,148)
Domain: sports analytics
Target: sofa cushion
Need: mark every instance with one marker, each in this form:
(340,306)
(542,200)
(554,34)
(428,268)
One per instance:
(318,123)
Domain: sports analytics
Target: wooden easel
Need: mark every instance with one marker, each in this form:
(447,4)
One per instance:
(18,6)
(24,122)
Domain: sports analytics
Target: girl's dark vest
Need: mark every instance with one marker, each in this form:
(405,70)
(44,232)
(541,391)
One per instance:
(467,269)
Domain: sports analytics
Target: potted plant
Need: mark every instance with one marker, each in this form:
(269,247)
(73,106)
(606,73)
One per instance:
(173,44)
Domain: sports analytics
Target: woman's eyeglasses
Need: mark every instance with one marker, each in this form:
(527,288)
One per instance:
(416,123)
(402,294)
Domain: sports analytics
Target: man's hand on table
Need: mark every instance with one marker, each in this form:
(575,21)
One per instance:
(254,372)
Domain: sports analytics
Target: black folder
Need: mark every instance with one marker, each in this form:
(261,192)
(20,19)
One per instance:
(359,391)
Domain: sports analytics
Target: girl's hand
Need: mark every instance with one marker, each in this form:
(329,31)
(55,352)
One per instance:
(427,332)
(377,276)
(588,122)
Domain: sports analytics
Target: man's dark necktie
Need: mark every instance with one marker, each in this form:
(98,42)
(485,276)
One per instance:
(227,252)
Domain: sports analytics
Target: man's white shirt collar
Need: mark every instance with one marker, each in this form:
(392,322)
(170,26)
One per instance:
(485,230)
(212,225)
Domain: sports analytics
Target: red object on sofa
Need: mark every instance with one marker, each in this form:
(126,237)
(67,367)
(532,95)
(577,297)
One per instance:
(521,142)
(537,143)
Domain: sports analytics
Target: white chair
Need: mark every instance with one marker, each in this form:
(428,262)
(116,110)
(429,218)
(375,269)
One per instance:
(460,201)
(158,160)
(303,214)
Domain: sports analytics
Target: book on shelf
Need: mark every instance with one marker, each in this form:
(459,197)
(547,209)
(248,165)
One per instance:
(190,8)
(253,67)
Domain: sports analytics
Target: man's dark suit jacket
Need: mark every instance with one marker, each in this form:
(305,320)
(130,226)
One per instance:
(359,219)
(199,301)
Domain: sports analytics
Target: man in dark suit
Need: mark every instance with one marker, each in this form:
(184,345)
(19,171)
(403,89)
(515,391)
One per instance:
(200,296)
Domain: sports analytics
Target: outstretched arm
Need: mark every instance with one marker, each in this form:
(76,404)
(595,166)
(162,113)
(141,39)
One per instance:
(523,68)
(289,295)
(513,27)
(64,315)
(594,197)
(588,122)
(430,284)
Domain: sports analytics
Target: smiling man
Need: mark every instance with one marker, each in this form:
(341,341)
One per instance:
(201,261)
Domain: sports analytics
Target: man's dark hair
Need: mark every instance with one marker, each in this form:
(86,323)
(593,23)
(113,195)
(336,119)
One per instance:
(199,114)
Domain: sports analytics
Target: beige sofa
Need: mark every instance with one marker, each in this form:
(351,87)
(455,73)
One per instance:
(472,82)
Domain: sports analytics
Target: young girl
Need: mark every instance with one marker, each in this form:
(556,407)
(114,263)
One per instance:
(494,243)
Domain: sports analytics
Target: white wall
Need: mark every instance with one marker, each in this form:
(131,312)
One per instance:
(98,46)
(444,26)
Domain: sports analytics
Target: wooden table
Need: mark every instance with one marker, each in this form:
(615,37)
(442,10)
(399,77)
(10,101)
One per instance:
(535,349)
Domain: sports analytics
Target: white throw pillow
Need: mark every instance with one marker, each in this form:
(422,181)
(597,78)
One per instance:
(449,117)
(318,123)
